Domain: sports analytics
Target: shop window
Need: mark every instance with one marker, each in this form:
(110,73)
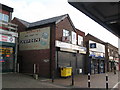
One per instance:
(66,32)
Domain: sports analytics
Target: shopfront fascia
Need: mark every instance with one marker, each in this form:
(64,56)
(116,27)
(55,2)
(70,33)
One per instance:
(8,50)
(70,47)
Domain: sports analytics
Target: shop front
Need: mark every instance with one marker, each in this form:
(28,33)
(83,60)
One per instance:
(96,58)
(97,65)
(68,55)
(7,53)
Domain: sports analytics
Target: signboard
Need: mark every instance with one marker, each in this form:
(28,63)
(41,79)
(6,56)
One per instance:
(99,47)
(70,46)
(92,45)
(35,39)
(6,50)
(5,38)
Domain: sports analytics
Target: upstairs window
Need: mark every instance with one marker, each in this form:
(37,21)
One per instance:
(66,32)
(80,40)
(1,16)
(4,17)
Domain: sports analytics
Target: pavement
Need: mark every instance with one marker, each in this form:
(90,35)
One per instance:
(18,80)
(97,81)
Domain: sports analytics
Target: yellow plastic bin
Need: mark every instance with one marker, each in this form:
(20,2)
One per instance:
(66,71)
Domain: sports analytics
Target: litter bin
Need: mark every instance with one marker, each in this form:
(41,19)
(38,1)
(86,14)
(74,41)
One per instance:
(66,71)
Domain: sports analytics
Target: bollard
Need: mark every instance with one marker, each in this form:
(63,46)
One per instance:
(72,78)
(34,71)
(106,81)
(53,77)
(88,80)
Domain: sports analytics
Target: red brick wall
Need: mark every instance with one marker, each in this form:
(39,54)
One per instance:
(21,27)
(4,12)
(28,58)
(64,24)
(31,57)
(81,33)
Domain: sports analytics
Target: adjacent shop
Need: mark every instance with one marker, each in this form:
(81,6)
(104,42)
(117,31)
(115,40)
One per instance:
(96,57)
(7,53)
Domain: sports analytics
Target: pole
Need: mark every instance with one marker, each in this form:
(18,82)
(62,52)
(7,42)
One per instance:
(88,80)
(72,78)
(53,77)
(34,68)
(106,81)
(18,67)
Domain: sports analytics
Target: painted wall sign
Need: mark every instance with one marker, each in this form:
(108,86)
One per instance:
(35,39)
(5,38)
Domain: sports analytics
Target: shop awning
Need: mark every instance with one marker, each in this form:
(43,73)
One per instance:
(106,14)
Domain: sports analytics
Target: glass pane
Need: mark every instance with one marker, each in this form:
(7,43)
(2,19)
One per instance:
(6,17)
(63,32)
(1,16)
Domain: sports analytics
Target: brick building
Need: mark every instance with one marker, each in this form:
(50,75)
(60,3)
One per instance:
(95,56)
(49,44)
(101,56)
(8,40)
(111,57)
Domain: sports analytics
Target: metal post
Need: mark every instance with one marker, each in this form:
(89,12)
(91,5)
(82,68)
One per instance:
(53,77)
(34,68)
(88,80)
(18,67)
(16,51)
(72,78)
(106,81)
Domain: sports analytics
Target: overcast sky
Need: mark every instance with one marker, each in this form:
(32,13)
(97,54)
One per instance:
(35,10)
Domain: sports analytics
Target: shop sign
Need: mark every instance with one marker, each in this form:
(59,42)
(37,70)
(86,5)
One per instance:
(97,47)
(70,46)
(35,39)
(96,54)
(6,50)
(92,45)
(110,57)
(5,38)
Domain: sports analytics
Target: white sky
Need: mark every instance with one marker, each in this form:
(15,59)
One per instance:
(35,10)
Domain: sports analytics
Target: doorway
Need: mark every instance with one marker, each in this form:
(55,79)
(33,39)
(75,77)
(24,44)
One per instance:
(6,59)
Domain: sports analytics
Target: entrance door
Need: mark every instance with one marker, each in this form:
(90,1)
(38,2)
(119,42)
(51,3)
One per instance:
(101,66)
(6,59)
